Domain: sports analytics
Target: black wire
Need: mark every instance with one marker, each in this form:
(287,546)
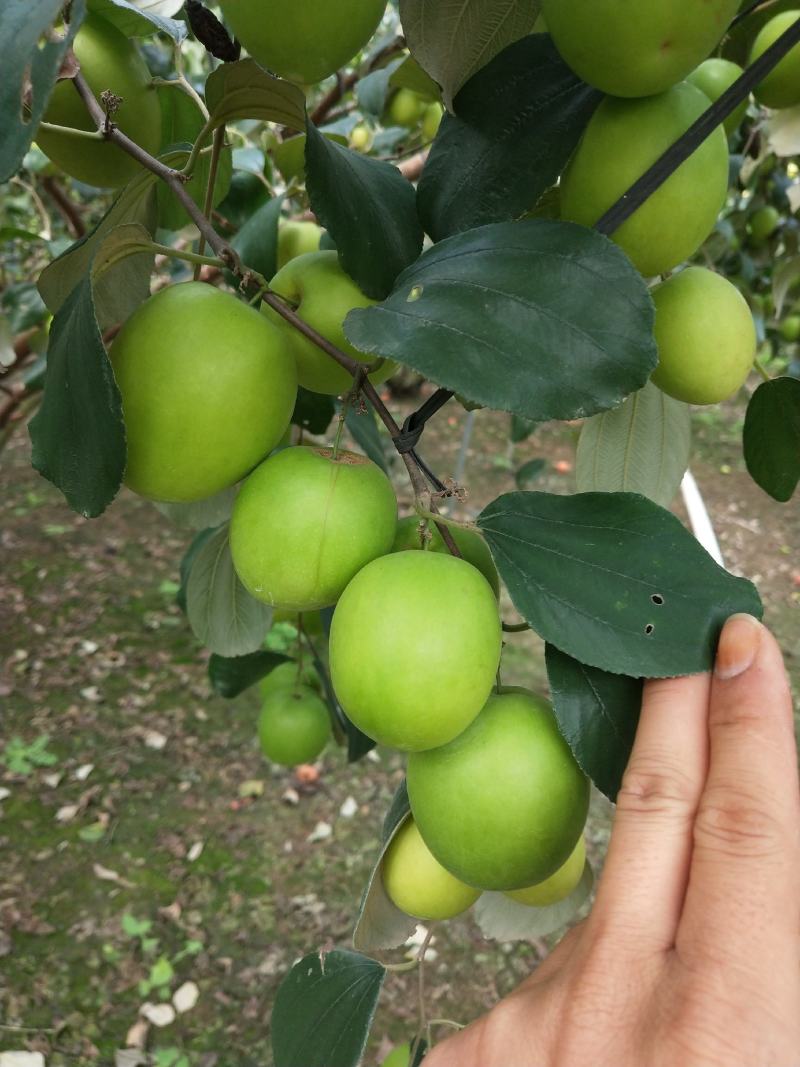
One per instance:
(679,152)
(411,431)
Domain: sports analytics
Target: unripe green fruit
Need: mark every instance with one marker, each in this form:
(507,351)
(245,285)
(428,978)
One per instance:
(714,77)
(361,137)
(297,239)
(781,87)
(705,335)
(294,726)
(763,223)
(323,295)
(108,61)
(303,40)
(304,523)
(558,886)
(418,884)
(429,628)
(622,140)
(630,48)
(411,536)
(790,328)
(286,676)
(208,388)
(503,805)
(406,108)
(431,121)
(398,1057)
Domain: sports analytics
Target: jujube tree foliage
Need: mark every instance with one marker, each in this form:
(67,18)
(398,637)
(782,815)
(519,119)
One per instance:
(533,256)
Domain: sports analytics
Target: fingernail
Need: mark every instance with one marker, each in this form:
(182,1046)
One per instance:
(738,645)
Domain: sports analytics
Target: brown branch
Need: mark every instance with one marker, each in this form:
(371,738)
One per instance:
(67,209)
(345,82)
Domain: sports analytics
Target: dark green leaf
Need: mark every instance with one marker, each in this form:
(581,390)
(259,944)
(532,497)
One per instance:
(372,90)
(597,713)
(410,75)
(503,919)
(529,472)
(419,1053)
(200,514)
(521,429)
(222,614)
(245,196)
(516,123)
(544,319)
(451,41)
(257,241)
(78,435)
(313,411)
(135,20)
(171,213)
(614,580)
(380,924)
(136,204)
(369,209)
(643,446)
(26,58)
(121,269)
(324,1010)
(771,437)
(242,90)
(186,564)
(364,431)
(231,675)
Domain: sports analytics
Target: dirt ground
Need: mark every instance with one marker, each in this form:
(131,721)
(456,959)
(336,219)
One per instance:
(154,847)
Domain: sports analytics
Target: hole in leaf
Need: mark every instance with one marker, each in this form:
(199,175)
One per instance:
(657,598)
(649,628)
(415,294)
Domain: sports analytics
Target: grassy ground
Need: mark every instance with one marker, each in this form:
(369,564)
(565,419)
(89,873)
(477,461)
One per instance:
(153,846)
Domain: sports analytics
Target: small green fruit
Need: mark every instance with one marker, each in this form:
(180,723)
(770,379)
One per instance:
(558,886)
(286,676)
(323,295)
(418,884)
(413,535)
(622,140)
(305,523)
(763,223)
(503,805)
(297,239)
(110,61)
(429,627)
(705,335)
(629,48)
(208,388)
(294,726)
(406,108)
(781,87)
(431,121)
(790,328)
(303,41)
(714,76)
(361,137)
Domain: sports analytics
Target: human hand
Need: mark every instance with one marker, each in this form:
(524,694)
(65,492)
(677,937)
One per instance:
(691,954)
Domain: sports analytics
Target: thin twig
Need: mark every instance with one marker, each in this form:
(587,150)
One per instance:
(66,207)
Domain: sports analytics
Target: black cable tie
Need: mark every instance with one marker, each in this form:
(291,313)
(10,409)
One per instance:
(411,430)
(210,32)
(680,151)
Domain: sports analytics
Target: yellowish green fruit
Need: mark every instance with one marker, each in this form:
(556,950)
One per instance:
(294,726)
(429,627)
(763,223)
(705,335)
(311,620)
(406,108)
(622,141)
(323,295)
(288,676)
(361,137)
(303,40)
(431,121)
(413,535)
(110,61)
(398,1057)
(714,76)
(781,87)
(418,884)
(208,388)
(503,805)
(558,886)
(297,239)
(304,523)
(629,48)
(790,328)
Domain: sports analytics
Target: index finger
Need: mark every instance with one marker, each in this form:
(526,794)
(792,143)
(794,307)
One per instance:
(744,881)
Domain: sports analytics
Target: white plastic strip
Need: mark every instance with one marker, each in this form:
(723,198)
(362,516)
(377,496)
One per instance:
(699,518)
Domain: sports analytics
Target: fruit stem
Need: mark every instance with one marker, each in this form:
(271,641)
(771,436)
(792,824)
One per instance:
(186,87)
(761,370)
(219,141)
(339,428)
(446,1022)
(70,131)
(515,627)
(190,257)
